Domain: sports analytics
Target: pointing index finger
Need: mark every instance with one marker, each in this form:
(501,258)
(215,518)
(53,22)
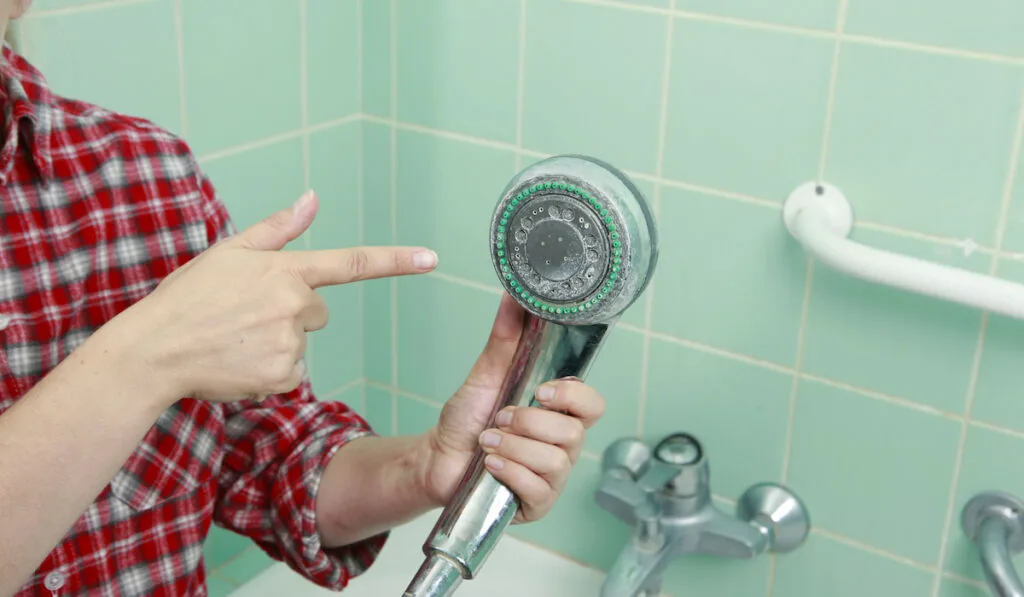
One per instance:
(341,266)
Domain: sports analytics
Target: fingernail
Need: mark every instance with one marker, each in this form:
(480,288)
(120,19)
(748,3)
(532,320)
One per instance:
(424,259)
(545,393)
(494,462)
(490,439)
(302,202)
(504,418)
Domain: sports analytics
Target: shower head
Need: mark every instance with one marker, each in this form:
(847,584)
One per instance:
(575,244)
(573,240)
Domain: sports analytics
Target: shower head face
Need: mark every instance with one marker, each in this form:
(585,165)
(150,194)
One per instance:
(573,240)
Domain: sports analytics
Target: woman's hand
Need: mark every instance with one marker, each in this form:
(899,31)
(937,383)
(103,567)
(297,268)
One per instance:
(532,450)
(232,323)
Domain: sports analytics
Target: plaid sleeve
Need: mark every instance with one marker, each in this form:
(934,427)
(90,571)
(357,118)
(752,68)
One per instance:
(275,455)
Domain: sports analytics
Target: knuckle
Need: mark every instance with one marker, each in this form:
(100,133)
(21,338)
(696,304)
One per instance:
(577,434)
(359,263)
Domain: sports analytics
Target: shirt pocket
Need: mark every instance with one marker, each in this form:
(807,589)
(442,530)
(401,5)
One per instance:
(180,454)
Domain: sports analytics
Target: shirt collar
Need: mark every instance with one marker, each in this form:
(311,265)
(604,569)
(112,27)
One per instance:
(28,106)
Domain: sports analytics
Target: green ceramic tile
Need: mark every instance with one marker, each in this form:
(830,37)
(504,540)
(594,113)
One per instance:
(708,575)
(447,191)
(746,108)
(222,546)
(415,416)
(242,75)
(377,337)
(616,374)
(442,329)
(458,65)
(1013,240)
(956,588)
(259,182)
(921,141)
(332,54)
(334,174)
(999,391)
(246,566)
(576,525)
(379,405)
(729,276)
(377,58)
(216,587)
(337,350)
(109,45)
(889,340)
(823,566)
(593,82)
(377,231)
(991,462)
(377,184)
(737,410)
(873,471)
(814,14)
(982,25)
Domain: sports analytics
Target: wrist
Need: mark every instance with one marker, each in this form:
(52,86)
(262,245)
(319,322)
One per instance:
(127,347)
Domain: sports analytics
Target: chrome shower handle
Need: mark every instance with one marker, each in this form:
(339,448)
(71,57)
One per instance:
(476,518)
(994,521)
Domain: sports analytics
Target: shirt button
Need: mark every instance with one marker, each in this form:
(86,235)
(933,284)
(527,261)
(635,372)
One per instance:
(53,581)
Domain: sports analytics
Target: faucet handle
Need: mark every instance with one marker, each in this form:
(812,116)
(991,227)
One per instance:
(627,454)
(778,512)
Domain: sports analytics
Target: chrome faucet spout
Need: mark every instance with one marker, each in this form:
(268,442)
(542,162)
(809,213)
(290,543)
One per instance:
(666,497)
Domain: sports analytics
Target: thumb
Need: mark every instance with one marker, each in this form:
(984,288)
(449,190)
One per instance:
(494,362)
(278,229)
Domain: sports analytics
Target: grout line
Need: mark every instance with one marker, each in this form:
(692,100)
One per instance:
(645,351)
(862,392)
(860,39)
(179,35)
(963,244)
(809,277)
(468,283)
(89,7)
(801,337)
(342,389)
(360,54)
(868,40)
(521,85)
(273,139)
(1004,213)
(393,105)
(304,106)
(303,64)
(872,549)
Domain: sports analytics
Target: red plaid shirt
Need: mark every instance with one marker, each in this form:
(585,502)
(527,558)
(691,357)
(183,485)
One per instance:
(96,208)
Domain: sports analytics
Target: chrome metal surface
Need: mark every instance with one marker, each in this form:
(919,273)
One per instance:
(994,521)
(574,243)
(671,511)
(781,513)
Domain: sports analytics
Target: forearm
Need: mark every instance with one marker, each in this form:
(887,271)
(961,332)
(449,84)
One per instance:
(60,444)
(371,485)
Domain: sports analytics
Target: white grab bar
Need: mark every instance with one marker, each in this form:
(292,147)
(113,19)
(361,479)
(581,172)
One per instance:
(820,219)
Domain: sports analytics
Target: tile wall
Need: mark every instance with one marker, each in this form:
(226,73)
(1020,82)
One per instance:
(885,411)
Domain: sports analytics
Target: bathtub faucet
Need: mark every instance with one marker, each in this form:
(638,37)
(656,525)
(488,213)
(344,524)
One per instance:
(666,498)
